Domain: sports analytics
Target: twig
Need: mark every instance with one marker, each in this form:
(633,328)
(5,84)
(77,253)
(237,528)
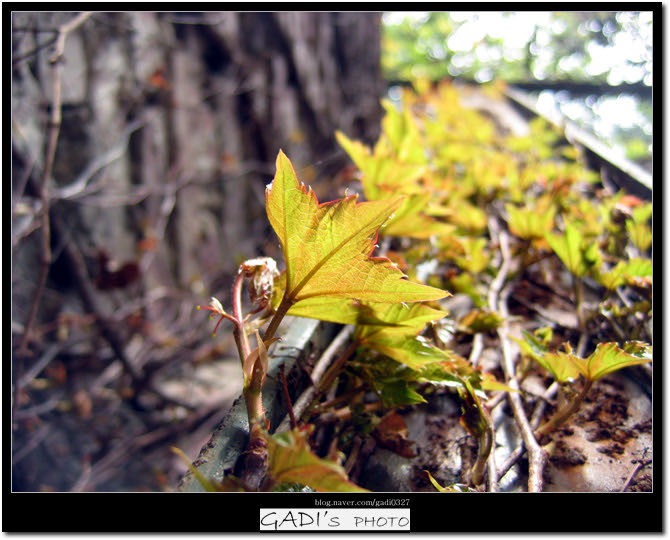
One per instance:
(640,464)
(36,410)
(320,367)
(498,302)
(550,392)
(36,438)
(35,370)
(477,348)
(80,187)
(492,476)
(104,468)
(21,57)
(50,154)
(535,420)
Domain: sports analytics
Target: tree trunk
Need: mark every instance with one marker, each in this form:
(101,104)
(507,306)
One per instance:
(171,124)
(215,95)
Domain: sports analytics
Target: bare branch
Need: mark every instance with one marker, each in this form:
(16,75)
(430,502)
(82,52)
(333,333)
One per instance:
(498,294)
(80,187)
(50,154)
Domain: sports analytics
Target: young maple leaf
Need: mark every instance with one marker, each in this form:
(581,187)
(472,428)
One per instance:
(327,246)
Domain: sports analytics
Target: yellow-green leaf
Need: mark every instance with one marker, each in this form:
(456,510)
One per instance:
(640,234)
(562,365)
(327,247)
(290,459)
(453,488)
(608,357)
(380,169)
(573,249)
(413,351)
(411,221)
(347,311)
(529,223)
(623,270)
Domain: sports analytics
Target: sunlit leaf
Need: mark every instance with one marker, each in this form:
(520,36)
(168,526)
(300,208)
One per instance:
(642,213)
(453,488)
(411,221)
(640,234)
(562,365)
(476,255)
(380,169)
(639,349)
(327,246)
(623,270)
(491,384)
(573,249)
(441,374)
(290,459)
(467,216)
(530,223)
(400,128)
(413,351)
(346,311)
(385,176)
(608,357)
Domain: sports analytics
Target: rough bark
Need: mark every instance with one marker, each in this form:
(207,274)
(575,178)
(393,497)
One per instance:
(215,95)
(171,123)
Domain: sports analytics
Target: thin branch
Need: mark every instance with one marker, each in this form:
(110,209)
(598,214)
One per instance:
(36,369)
(492,476)
(50,155)
(33,442)
(80,187)
(535,420)
(477,348)
(20,58)
(42,408)
(498,294)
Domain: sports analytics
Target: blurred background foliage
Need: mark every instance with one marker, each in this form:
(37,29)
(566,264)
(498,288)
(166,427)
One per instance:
(595,68)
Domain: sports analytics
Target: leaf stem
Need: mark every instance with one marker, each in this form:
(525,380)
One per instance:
(567,411)
(282,309)
(241,338)
(485,443)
